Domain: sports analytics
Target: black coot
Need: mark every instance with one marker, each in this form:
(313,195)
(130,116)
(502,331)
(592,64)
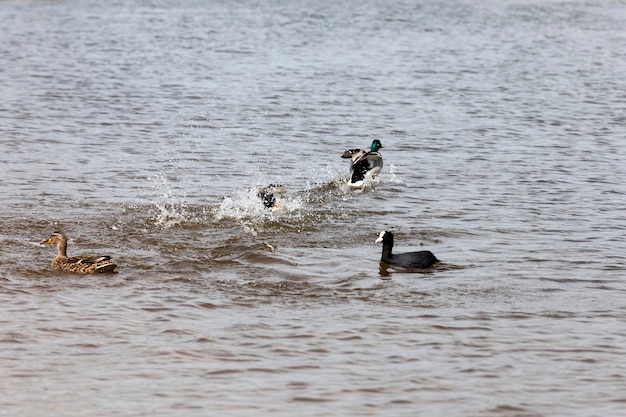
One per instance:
(409,260)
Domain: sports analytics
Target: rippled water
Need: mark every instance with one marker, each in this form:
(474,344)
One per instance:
(141,129)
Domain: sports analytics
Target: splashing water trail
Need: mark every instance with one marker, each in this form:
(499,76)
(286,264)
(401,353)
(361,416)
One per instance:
(172,209)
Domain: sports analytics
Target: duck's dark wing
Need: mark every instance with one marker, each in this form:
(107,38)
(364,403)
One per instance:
(85,264)
(353,154)
(88,259)
(365,163)
(373,158)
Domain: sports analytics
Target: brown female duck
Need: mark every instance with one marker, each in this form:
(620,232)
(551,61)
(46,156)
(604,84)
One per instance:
(77,264)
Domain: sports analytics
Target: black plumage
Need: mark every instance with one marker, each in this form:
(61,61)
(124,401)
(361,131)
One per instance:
(271,196)
(409,260)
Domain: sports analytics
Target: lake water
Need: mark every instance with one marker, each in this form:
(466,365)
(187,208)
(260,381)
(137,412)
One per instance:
(140,128)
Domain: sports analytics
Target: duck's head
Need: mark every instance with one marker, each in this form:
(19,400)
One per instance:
(376,145)
(59,239)
(54,239)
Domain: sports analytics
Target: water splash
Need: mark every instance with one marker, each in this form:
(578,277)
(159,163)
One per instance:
(246,208)
(172,209)
(390,175)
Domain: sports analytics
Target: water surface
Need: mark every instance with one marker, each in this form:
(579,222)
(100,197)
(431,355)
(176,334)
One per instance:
(139,130)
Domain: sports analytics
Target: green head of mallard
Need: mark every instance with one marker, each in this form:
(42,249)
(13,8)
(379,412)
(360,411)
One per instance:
(376,145)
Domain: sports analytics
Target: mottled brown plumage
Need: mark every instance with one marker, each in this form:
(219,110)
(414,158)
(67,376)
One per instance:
(77,264)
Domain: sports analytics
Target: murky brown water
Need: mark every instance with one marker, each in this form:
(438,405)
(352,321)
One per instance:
(139,130)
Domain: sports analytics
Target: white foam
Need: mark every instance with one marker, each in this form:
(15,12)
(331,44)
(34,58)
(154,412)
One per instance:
(246,207)
(172,208)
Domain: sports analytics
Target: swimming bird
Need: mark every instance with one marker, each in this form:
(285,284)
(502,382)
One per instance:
(409,260)
(272,195)
(77,264)
(364,163)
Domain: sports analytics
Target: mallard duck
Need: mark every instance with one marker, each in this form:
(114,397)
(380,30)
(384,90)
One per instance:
(272,195)
(77,264)
(409,260)
(364,163)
